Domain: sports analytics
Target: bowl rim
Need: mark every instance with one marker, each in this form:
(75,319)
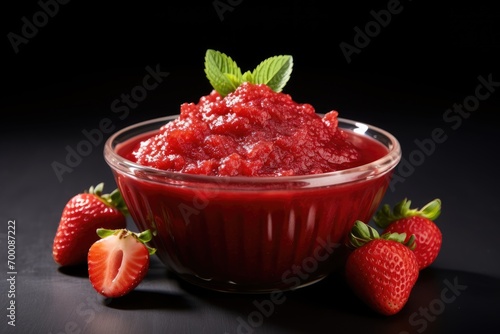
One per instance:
(370,170)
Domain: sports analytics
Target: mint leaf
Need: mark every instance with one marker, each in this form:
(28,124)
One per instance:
(222,72)
(247,76)
(235,80)
(225,75)
(274,72)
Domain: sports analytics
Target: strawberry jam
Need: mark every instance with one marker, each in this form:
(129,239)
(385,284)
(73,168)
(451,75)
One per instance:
(253,131)
(243,194)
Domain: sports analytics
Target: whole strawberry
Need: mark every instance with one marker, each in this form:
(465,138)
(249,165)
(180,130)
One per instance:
(413,221)
(119,261)
(82,215)
(381,270)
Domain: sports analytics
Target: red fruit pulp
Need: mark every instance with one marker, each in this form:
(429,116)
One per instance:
(232,236)
(253,131)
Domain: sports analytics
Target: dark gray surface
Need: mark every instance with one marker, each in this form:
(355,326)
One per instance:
(64,81)
(52,300)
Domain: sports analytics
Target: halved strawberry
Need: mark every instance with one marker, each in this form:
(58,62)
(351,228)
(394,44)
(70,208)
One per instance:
(119,261)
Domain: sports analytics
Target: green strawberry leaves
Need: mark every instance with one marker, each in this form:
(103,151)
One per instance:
(113,199)
(225,75)
(362,233)
(386,216)
(144,237)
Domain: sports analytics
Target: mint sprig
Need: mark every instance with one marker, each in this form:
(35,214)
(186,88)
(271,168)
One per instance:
(274,72)
(225,75)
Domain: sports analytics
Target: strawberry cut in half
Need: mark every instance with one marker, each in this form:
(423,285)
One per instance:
(119,261)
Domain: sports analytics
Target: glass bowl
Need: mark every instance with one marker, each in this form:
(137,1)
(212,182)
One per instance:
(251,234)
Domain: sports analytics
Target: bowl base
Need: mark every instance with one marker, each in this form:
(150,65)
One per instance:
(235,288)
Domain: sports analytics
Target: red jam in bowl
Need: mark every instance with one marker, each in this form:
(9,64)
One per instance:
(253,192)
(253,131)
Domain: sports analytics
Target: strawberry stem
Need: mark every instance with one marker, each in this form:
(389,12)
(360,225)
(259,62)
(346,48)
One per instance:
(143,237)
(113,199)
(103,233)
(386,216)
(362,233)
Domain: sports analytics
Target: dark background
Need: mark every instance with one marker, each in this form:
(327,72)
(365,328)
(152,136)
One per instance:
(64,80)
(90,53)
